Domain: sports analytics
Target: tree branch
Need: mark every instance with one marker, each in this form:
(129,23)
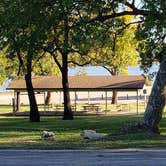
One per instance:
(40,56)
(109,70)
(133,2)
(106,17)
(126,25)
(131,5)
(57,62)
(21,63)
(102,18)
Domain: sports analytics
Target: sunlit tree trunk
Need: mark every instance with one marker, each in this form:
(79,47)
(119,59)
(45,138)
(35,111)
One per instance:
(156,103)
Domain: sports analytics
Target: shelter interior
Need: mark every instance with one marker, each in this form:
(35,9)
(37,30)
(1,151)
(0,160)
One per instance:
(95,97)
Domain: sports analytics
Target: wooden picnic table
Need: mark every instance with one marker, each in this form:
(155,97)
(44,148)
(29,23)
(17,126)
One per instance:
(91,107)
(58,107)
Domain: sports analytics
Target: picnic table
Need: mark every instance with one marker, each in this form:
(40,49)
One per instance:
(59,107)
(91,107)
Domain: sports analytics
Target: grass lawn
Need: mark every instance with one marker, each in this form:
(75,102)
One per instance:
(18,132)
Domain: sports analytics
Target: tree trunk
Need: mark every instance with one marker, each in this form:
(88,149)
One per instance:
(114,92)
(156,103)
(68,114)
(114,97)
(21,63)
(34,113)
(17,101)
(48,98)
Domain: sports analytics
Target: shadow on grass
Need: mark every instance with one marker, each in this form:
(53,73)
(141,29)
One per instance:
(68,132)
(99,123)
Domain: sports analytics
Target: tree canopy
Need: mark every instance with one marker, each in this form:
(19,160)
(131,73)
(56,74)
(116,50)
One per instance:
(72,28)
(119,49)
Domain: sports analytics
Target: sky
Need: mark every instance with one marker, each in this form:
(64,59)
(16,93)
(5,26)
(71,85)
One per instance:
(101,71)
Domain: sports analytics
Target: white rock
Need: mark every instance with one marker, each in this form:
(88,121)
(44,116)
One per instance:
(49,136)
(90,134)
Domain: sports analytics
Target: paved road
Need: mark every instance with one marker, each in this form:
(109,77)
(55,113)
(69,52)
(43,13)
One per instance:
(124,157)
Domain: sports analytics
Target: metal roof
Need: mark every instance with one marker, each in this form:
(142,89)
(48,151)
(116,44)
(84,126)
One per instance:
(80,83)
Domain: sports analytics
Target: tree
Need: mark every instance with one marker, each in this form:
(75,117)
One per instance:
(58,33)
(68,36)
(20,41)
(153,48)
(120,49)
(33,28)
(152,14)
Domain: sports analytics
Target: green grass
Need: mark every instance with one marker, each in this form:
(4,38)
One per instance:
(18,132)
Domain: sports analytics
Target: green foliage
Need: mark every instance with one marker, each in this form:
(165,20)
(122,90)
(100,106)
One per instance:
(45,66)
(22,34)
(118,47)
(8,67)
(151,33)
(31,25)
(19,34)
(2,68)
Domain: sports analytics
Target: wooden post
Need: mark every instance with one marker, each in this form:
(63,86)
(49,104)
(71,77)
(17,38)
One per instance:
(14,106)
(14,103)
(44,102)
(88,97)
(75,104)
(106,103)
(18,101)
(137,101)
(60,100)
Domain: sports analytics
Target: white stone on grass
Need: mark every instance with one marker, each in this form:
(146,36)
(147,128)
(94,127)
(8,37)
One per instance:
(49,136)
(91,134)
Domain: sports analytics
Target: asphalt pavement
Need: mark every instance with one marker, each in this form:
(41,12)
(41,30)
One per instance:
(102,157)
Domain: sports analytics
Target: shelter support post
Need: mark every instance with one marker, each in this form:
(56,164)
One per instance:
(44,101)
(106,101)
(75,103)
(14,103)
(88,97)
(18,101)
(60,99)
(137,102)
